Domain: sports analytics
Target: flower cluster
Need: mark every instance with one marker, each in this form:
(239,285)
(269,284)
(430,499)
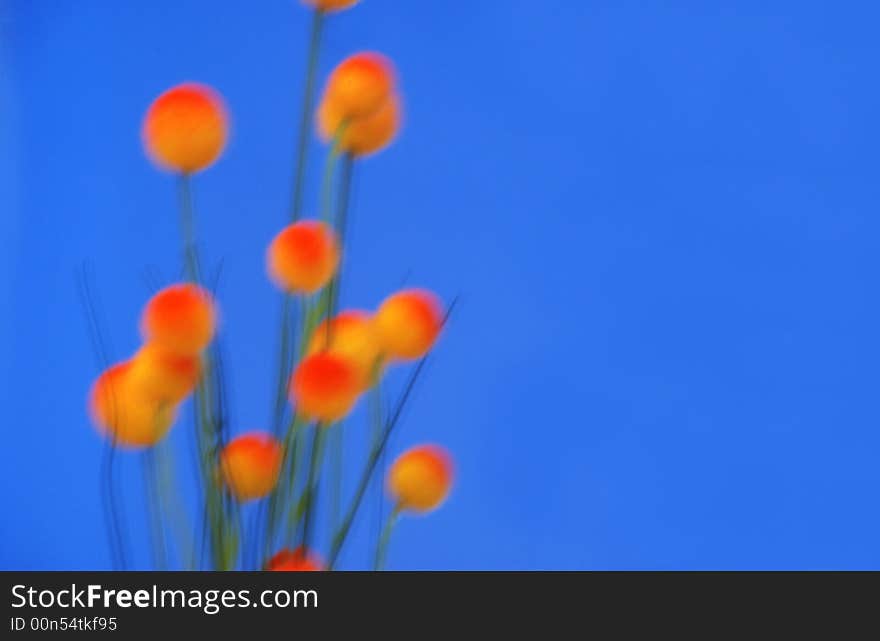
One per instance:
(136,401)
(328,361)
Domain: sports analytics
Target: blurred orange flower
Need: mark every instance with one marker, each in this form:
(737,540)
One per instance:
(362,136)
(420,478)
(180,319)
(360,85)
(297,560)
(165,375)
(185,129)
(408,323)
(121,408)
(303,257)
(325,387)
(330,5)
(353,335)
(250,465)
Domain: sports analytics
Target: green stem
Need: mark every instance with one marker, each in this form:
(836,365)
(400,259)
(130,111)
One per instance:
(341,228)
(206,440)
(317,310)
(306,115)
(114,518)
(329,171)
(385,539)
(311,488)
(187,228)
(278,502)
(337,460)
(170,499)
(344,195)
(154,510)
(375,410)
(285,357)
(200,406)
(331,293)
(294,512)
(286,482)
(208,450)
(284,364)
(332,306)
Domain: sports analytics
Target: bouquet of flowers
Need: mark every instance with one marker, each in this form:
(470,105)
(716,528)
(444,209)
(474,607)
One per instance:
(329,357)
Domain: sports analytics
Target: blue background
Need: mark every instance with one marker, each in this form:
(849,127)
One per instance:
(662,218)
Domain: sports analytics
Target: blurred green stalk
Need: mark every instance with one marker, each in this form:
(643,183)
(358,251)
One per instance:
(305,115)
(208,442)
(385,539)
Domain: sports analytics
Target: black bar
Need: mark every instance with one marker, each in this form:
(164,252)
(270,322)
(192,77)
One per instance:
(378,603)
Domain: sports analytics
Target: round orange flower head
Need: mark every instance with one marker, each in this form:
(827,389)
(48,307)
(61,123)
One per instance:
(180,319)
(165,375)
(325,387)
(297,560)
(408,323)
(330,5)
(362,136)
(420,478)
(303,257)
(360,85)
(250,465)
(352,335)
(185,128)
(121,409)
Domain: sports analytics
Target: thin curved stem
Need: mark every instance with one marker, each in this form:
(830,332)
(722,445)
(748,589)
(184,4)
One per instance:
(345,183)
(336,455)
(305,115)
(333,155)
(113,515)
(187,228)
(170,500)
(311,488)
(296,200)
(385,539)
(286,353)
(285,356)
(154,509)
(209,409)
